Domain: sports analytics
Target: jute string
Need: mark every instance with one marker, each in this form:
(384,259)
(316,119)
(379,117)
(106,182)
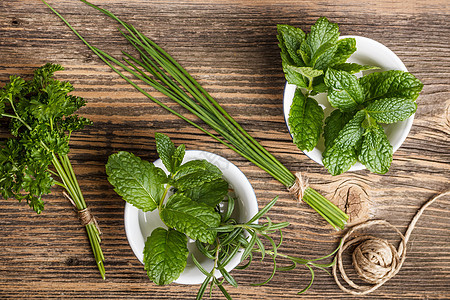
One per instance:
(374,259)
(84,215)
(299,187)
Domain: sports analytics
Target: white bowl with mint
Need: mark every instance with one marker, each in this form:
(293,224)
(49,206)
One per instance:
(172,205)
(349,101)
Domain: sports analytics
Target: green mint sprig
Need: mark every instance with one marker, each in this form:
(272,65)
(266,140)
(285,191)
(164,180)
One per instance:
(305,59)
(353,132)
(316,63)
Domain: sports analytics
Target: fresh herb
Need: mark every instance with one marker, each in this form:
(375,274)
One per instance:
(190,210)
(42,119)
(316,63)
(193,210)
(382,97)
(158,69)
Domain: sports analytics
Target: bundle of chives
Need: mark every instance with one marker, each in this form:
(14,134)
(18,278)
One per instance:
(158,69)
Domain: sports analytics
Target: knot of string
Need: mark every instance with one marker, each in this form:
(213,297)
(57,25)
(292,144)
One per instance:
(84,215)
(375,260)
(299,187)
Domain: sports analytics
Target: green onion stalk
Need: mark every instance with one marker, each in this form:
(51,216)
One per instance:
(156,68)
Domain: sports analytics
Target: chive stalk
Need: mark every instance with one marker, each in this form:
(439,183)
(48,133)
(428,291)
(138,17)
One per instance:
(156,68)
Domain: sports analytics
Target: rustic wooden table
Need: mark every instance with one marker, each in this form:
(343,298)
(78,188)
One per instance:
(231,48)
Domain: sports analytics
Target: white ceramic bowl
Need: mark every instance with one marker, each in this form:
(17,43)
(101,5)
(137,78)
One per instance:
(369,52)
(139,225)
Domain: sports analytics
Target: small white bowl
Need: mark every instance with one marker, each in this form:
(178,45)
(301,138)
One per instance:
(139,225)
(369,52)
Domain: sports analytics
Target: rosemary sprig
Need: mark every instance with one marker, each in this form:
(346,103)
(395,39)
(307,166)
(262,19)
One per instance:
(248,239)
(158,69)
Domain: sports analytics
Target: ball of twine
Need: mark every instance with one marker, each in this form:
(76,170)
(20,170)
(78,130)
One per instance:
(375,260)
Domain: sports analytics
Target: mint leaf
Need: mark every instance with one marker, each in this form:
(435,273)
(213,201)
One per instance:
(139,182)
(165,255)
(293,77)
(323,56)
(306,71)
(391,110)
(322,32)
(345,48)
(334,123)
(376,151)
(191,218)
(338,160)
(390,84)
(210,193)
(305,121)
(170,157)
(344,91)
(353,68)
(290,39)
(340,153)
(194,173)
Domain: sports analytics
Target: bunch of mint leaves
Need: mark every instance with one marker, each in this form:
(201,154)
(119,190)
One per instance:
(316,63)
(195,209)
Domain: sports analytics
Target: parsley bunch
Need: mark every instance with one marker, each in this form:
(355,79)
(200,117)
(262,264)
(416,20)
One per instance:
(191,202)
(41,119)
(316,63)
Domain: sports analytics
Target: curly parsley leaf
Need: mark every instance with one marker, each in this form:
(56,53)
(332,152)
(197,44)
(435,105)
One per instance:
(376,151)
(389,84)
(391,110)
(344,90)
(305,121)
(165,255)
(139,182)
(190,217)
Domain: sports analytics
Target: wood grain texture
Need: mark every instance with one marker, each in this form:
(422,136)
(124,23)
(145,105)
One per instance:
(231,48)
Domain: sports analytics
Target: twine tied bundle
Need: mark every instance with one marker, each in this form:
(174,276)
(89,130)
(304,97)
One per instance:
(374,259)
(84,215)
(299,187)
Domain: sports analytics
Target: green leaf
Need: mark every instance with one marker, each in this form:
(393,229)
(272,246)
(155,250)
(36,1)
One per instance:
(210,193)
(166,150)
(345,48)
(306,71)
(391,110)
(323,56)
(195,173)
(165,255)
(344,91)
(290,39)
(305,121)
(190,217)
(353,68)
(340,154)
(338,160)
(334,123)
(293,77)
(376,151)
(139,182)
(322,32)
(390,84)
(305,53)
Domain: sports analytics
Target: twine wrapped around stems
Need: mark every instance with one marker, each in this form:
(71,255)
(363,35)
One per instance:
(299,187)
(375,259)
(84,215)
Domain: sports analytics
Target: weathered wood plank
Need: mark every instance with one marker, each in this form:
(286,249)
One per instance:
(231,47)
